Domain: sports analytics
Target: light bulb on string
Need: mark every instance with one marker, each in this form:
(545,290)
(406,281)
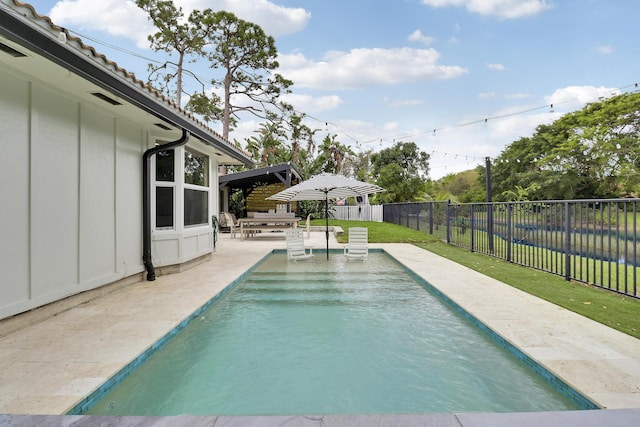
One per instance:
(551,108)
(62,36)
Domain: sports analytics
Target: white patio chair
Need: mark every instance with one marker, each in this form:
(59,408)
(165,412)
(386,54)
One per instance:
(295,245)
(232,223)
(358,246)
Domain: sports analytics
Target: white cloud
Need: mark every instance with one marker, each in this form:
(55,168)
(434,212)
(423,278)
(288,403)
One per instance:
(503,9)
(274,19)
(366,67)
(510,129)
(116,17)
(399,103)
(417,36)
(309,104)
(605,49)
(573,98)
(516,95)
(496,67)
(246,129)
(123,18)
(486,95)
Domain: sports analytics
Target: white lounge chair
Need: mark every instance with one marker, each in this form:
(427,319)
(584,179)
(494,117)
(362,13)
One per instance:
(295,245)
(358,246)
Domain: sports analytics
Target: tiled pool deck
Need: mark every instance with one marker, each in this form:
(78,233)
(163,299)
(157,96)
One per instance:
(47,367)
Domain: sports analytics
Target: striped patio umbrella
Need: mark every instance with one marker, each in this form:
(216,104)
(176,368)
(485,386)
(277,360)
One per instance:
(326,186)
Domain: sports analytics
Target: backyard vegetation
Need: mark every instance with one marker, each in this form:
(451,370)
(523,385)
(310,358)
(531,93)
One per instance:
(614,310)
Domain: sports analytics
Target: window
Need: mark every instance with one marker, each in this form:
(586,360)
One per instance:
(196,168)
(196,207)
(165,166)
(164,207)
(165,197)
(196,188)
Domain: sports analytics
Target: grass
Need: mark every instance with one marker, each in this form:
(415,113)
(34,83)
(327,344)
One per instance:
(379,232)
(611,309)
(614,310)
(584,268)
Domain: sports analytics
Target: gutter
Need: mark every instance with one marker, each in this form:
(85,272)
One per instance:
(146,200)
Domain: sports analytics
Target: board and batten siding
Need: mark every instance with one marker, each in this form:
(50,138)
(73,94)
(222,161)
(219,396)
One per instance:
(71,197)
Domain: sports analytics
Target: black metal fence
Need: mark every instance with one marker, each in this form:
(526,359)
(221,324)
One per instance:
(589,241)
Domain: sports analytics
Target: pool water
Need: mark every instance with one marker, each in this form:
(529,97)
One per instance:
(331,337)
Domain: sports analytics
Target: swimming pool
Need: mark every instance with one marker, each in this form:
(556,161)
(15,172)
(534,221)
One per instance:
(330,338)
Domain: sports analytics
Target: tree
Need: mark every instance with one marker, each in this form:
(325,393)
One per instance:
(601,147)
(184,38)
(520,194)
(360,165)
(268,148)
(519,165)
(332,156)
(590,153)
(463,187)
(402,170)
(247,58)
(301,137)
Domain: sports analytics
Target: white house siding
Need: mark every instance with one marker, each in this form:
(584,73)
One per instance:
(14,191)
(128,206)
(70,191)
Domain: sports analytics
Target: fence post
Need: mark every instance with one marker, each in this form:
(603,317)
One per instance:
(431,218)
(448,221)
(490,226)
(473,228)
(509,231)
(407,210)
(567,241)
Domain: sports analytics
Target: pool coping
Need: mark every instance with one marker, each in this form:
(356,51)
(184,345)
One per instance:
(592,418)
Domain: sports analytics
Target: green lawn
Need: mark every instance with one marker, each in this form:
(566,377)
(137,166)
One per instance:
(619,312)
(379,232)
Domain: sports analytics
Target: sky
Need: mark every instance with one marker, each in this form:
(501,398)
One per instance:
(460,78)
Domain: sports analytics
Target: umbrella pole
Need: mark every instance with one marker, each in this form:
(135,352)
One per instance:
(326,221)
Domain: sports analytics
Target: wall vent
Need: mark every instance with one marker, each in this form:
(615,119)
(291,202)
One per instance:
(11,51)
(105,98)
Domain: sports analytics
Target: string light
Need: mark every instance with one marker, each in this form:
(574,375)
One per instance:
(63,38)
(326,123)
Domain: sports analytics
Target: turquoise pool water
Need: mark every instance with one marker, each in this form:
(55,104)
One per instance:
(331,337)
